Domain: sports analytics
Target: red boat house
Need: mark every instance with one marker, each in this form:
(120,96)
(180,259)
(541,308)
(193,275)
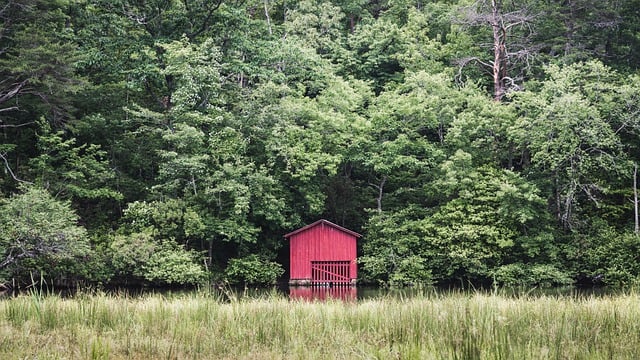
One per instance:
(323,254)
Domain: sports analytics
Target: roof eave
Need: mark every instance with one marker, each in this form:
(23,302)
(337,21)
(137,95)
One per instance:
(323,221)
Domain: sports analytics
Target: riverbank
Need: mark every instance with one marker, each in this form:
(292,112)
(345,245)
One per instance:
(198,326)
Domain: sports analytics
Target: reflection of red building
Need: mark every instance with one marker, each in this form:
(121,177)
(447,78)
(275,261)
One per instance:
(323,253)
(313,293)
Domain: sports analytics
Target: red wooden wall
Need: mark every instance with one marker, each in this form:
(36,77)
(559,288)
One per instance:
(321,241)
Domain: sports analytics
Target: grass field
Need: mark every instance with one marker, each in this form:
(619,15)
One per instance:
(203,326)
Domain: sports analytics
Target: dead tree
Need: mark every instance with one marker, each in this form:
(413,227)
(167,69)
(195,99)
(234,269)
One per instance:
(636,228)
(508,47)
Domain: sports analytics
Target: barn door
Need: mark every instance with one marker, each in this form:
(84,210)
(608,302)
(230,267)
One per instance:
(330,272)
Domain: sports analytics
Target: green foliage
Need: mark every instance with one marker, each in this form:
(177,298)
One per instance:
(129,253)
(570,131)
(411,270)
(170,263)
(218,126)
(485,218)
(34,226)
(318,24)
(612,257)
(376,45)
(37,60)
(252,270)
(397,250)
(79,172)
(158,243)
(425,35)
(139,256)
(196,71)
(530,275)
(490,216)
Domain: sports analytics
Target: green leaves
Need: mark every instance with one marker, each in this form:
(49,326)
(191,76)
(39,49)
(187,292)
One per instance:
(34,225)
(568,128)
(171,264)
(160,262)
(196,71)
(74,171)
(37,60)
(221,125)
(252,270)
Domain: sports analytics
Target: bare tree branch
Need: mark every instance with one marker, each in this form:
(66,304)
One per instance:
(380,188)
(502,23)
(8,167)
(636,228)
(12,90)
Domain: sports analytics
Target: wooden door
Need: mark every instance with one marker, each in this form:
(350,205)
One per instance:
(330,272)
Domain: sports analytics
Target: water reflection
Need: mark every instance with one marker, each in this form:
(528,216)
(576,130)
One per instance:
(321,293)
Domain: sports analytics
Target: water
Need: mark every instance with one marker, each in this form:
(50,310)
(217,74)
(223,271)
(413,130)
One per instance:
(350,293)
(320,293)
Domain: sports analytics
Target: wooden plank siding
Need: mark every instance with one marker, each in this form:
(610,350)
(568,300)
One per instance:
(326,245)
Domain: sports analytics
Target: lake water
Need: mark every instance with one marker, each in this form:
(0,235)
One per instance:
(349,293)
(345,293)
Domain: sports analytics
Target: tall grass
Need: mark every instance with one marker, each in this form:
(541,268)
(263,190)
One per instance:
(200,326)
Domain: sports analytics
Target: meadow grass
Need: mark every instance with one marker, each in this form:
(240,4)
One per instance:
(432,326)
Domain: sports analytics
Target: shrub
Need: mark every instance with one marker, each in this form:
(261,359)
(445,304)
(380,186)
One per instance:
(614,258)
(164,262)
(527,275)
(172,264)
(253,270)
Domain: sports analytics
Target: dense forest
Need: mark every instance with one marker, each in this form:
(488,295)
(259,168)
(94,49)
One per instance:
(174,142)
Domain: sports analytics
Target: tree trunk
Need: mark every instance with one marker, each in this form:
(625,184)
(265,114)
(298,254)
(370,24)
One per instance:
(499,51)
(380,189)
(266,14)
(636,229)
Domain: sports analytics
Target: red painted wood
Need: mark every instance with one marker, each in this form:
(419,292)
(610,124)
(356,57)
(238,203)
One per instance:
(321,241)
(324,272)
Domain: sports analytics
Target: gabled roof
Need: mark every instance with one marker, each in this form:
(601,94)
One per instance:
(326,222)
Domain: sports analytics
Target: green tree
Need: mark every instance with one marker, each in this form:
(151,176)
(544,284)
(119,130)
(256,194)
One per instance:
(489,217)
(37,60)
(35,226)
(80,173)
(569,128)
(155,245)
(479,219)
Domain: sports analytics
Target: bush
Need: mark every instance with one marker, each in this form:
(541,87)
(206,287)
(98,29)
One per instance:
(39,234)
(139,256)
(614,258)
(411,271)
(253,270)
(528,275)
(172,264)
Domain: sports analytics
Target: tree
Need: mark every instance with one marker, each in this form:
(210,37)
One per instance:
(375,46)
(206,172)
(36,59)
(34,225)
(569,128)
(142,257)
(78,172)
(511,31)
(589,28)
(405,137)
(636,223)
(483,128)
(37,78)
